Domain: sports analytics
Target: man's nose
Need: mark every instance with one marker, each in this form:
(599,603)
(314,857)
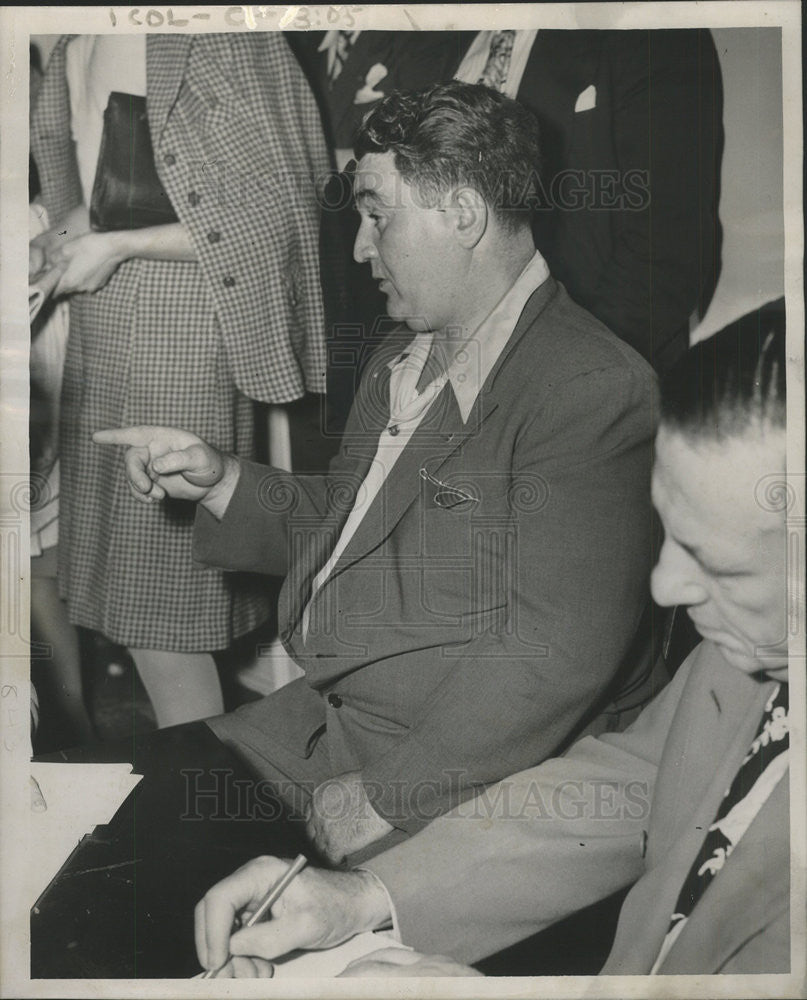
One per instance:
(364,247)
(674,579)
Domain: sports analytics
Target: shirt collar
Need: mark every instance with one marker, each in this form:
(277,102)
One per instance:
(473,360)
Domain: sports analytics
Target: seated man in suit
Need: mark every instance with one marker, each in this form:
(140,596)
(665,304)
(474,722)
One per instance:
(689,804)
(464,586)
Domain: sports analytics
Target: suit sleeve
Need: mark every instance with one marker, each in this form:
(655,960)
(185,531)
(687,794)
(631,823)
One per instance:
(253,534)
(667,125)
(577,573)
(259,529)
(533,848)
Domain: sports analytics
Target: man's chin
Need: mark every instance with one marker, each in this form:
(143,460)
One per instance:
(770,668)
(415,323)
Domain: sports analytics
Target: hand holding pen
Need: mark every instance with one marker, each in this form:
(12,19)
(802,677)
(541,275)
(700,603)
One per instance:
(318,909)
(268,901)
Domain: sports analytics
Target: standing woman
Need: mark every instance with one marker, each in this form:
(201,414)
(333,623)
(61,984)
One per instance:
(183,323)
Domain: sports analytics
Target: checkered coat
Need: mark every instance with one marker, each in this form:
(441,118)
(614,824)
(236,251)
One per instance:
(238,146)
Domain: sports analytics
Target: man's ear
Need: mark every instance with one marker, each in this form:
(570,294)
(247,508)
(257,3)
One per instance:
(470,212)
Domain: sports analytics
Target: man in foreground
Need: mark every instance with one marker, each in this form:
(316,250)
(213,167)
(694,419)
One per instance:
(690,804)
(464,585)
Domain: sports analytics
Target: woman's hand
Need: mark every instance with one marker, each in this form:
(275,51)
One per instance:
(88,261)
(45,246)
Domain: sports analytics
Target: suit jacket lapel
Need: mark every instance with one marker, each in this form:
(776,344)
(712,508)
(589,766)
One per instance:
(750,891)
(166,57)
(722,716)
(731,710)
(439,435)
(365,424)
(437,438)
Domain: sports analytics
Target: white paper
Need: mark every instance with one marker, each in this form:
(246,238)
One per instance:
(78,797)
(330,962)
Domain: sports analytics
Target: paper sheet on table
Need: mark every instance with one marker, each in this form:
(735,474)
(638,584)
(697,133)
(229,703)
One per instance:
(79,797)
(329,963)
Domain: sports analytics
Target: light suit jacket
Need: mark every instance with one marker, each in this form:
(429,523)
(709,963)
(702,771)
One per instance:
(625,808)
(452,646)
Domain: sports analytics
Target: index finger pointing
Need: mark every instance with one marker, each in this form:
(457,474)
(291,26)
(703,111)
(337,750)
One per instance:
(138,437)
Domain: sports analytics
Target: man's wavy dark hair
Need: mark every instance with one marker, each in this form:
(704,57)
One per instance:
(456,134)
(732,382)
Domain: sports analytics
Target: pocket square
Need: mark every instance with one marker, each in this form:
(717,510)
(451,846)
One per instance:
(368,93)
(587,99)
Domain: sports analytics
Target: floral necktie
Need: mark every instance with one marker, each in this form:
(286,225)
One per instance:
(337,45)
(498,63)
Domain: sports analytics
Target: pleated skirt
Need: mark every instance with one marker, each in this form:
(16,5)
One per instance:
(147,349)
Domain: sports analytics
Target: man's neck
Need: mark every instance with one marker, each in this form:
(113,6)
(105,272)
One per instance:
(493,277)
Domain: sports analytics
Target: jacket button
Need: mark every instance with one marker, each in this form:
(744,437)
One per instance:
(193,198)
(393,429)
(229,281)
(334,701)
(213,236)
(170,159)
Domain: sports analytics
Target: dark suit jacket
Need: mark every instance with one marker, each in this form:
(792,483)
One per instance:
(628,216)
(462,644)
(546,842)
(634,232)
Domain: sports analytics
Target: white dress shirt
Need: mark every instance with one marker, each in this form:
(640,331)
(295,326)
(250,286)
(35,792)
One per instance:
(469,366)
(471,67)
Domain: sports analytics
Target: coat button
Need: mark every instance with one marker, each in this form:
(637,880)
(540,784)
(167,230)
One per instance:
(334,701)
(394,430)
(170,159)
(213,236)
(229,281)
(193,198)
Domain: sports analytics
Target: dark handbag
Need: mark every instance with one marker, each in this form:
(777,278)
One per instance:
(127,193)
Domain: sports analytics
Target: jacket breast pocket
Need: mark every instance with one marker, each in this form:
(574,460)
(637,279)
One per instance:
(464,553)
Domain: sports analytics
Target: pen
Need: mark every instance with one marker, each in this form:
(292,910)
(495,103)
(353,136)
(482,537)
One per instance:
(268,901)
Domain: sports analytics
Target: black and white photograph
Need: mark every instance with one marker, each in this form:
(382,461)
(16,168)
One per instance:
(402,501)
